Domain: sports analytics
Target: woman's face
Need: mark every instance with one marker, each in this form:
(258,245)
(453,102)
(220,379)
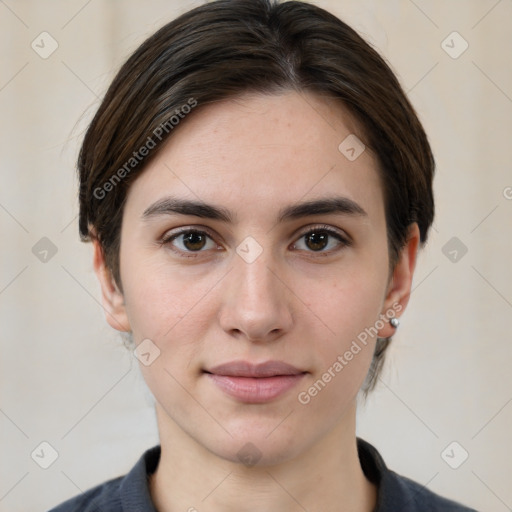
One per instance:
(264,280)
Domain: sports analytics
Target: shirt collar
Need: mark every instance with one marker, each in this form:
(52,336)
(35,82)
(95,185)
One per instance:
(135,494)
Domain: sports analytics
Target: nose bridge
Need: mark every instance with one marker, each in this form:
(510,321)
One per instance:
(257,303)
(256,281)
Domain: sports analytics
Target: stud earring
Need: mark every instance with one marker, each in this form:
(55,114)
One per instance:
(394,322)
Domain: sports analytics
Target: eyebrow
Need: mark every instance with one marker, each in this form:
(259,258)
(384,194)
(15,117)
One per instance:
(329,205)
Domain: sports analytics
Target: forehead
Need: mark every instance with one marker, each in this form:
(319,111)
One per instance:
(258,152)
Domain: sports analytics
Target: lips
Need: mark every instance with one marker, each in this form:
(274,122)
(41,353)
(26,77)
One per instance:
(246,369)
(255,383)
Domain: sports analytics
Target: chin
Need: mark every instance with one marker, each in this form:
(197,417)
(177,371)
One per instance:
(258,453)
(260,444)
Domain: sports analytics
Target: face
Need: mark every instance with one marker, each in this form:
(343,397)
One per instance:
(257,309)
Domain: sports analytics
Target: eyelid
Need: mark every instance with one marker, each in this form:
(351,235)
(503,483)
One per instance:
(330,229)
(171,234)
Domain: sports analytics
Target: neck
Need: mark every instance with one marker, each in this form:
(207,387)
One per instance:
(328,477)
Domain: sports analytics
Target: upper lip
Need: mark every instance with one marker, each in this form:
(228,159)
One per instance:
(247,369)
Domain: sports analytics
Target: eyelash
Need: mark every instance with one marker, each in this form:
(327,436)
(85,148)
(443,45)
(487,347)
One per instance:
(344,241)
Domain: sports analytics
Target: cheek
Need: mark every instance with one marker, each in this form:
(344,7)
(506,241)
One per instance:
(346,309)
(342,359)
(346,303)
(162,300)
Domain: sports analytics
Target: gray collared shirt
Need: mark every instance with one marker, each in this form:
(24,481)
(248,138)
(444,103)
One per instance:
(130,493)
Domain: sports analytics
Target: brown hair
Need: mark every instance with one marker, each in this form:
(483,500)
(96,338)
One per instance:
(228,47)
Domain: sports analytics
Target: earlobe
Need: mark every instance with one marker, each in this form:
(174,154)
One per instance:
(399,289)
(112,297)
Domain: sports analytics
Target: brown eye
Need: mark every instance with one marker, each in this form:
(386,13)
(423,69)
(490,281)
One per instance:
(189,241)
(317,240)
(322,240)
(194,241)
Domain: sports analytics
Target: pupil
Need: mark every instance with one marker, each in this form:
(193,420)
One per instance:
(194,241)
(319,240)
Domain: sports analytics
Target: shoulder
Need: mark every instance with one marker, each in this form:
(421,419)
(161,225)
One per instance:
(406,494)
(122,494)
(106,496)
(397,492)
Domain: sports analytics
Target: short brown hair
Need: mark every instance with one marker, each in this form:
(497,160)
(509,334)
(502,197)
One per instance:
(224,49)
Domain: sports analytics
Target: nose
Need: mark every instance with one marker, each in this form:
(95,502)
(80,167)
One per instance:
(256,300)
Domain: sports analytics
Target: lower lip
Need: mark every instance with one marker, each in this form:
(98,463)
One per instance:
(255,390)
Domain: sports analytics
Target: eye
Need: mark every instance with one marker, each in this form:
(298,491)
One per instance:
(318,238)
(189,241)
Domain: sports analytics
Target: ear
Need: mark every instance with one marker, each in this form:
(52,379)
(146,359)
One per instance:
(112,297)
(399,288)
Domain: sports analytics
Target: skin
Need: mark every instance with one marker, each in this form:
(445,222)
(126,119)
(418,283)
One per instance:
(295,303)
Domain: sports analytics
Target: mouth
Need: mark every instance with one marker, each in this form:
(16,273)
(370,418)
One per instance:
(255,383)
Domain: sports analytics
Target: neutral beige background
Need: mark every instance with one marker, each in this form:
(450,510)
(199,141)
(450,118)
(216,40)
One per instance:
(65,376)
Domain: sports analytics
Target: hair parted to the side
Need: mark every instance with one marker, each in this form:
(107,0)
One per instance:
(224,49)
